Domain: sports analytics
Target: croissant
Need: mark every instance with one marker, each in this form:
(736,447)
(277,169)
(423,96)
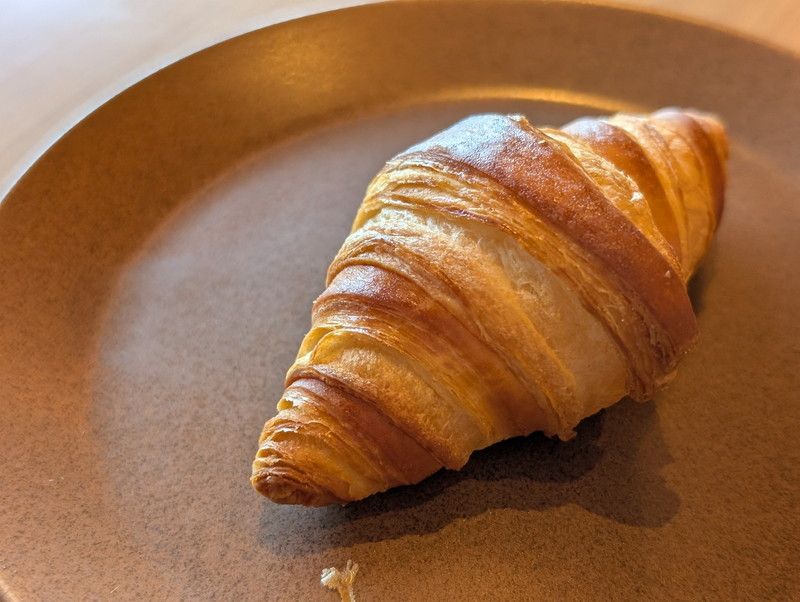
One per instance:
(499,279)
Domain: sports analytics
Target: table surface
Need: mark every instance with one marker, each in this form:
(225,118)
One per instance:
(63,58)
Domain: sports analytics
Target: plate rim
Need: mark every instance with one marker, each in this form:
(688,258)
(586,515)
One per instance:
(87,110)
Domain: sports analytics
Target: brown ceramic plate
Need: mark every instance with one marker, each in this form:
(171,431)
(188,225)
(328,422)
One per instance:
(157,266)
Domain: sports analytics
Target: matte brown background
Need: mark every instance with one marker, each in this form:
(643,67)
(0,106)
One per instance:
(157,269)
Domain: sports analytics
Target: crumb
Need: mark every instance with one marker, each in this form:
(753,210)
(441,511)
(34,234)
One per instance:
(341,581)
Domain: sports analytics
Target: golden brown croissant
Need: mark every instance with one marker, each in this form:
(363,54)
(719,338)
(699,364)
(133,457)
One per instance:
(499,279)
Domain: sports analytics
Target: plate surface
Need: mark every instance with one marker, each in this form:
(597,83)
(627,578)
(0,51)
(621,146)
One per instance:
(157,266)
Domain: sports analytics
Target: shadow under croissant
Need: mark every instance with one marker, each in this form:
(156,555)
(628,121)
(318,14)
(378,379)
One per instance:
(698,282)
(611,468)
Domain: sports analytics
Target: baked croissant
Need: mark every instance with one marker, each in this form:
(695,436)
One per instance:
(499,279)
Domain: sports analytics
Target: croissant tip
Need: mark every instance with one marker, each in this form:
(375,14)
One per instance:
(283,489)
(712,123)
